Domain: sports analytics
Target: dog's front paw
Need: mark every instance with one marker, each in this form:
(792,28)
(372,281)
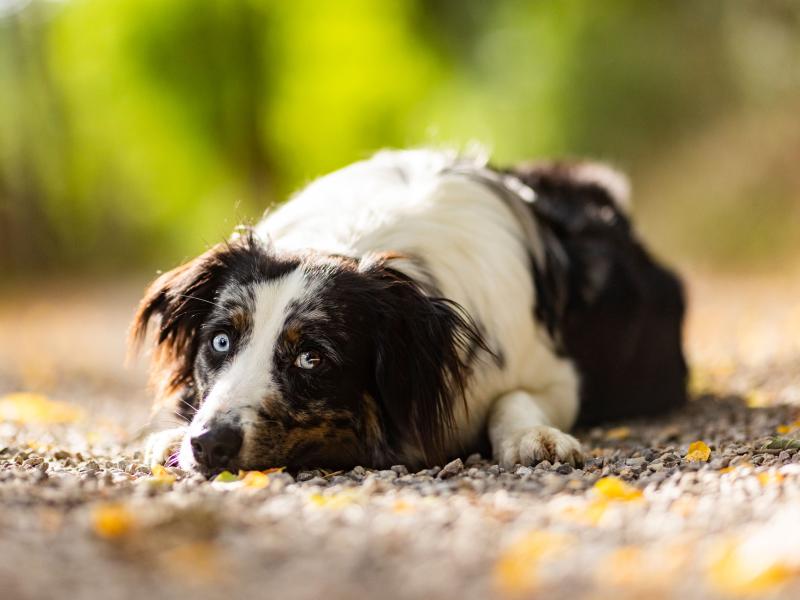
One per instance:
(162,447)
(536,444)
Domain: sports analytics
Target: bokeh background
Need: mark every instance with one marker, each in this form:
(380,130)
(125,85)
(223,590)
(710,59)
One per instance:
(135,133)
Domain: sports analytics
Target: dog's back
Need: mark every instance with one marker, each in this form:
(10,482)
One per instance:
(620,313)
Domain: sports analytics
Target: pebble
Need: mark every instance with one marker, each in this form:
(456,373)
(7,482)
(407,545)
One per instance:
(450,469)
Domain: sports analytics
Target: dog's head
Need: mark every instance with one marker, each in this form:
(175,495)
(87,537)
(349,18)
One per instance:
(305,360)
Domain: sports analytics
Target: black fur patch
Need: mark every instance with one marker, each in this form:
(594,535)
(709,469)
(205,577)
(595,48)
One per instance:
(613,309)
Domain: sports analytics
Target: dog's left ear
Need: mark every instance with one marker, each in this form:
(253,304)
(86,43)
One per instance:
(180,300)
(425,347)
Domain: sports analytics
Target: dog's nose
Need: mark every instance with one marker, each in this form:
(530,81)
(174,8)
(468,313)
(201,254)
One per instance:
(216,447)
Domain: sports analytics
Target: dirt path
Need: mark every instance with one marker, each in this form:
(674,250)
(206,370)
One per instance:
(648,516)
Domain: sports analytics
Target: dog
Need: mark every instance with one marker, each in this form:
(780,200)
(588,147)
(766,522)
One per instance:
(411,308)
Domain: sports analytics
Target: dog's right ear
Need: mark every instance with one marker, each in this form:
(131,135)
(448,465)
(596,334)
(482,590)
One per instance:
(180,301)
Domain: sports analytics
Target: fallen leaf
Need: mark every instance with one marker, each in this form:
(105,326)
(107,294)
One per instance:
(788,428)
(401,506)
(112,521)
(613,488)
(517,570)
(226,477)
(698,452)
(26,408)
(766,478)
(254,479)
(618,433)
(160,476)
(274,470)
(609,491)
(339,500)
(732,573)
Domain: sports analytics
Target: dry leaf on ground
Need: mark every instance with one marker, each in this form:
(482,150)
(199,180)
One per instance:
(112,521)
(517,570)
(698,452)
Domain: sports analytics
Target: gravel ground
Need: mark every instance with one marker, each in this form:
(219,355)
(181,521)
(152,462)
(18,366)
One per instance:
(648,516)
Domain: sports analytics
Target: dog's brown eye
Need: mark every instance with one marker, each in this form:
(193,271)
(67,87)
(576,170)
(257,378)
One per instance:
(308,360)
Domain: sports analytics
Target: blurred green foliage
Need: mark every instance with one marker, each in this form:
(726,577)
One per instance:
(135,132)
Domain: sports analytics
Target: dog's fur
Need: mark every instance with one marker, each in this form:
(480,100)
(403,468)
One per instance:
(432,312)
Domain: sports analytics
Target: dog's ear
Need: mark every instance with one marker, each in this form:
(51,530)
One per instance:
(425,347)
(179,302)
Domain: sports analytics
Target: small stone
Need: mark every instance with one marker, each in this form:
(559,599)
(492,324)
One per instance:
(452,468)
(719,463)
(400,470)
(306,475)
(473,459)
(387,474)
(522,471)
(316,481)
(636,462)
(564,469)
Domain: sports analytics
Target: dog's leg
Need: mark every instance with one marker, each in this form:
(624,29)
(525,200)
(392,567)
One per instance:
(162,445)
(521,432)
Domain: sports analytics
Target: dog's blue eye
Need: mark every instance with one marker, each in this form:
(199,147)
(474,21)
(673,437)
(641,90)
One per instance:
(307,360)
(221,343)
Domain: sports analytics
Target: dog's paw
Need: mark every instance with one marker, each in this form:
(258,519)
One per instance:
(162,447)
(531,446)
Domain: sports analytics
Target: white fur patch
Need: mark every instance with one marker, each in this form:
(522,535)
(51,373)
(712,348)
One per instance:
(248,380)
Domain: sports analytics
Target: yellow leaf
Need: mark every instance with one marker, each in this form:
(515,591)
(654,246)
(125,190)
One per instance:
(618,433)
(784,429)
(517,568)
(756,399)
(161,476)
(730,572)
(339,500)
(28,408)
(274,470)
(590,513)
(254,479)
(613,488)
(698,452)
(401,506)
(112,521)
(766,478)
